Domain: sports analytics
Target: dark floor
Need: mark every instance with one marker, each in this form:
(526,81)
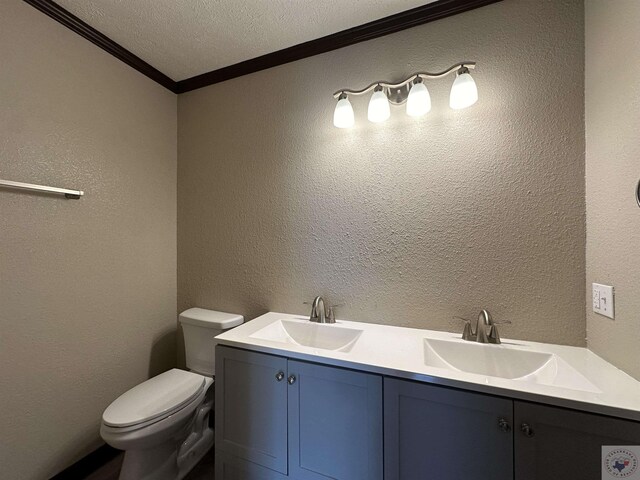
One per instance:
(109,471)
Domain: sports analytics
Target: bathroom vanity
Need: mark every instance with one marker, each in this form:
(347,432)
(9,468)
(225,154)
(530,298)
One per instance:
(355,401)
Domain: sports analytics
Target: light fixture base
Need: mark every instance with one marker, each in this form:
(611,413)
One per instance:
(399,95)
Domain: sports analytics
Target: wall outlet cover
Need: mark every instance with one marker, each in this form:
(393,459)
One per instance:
(603,300)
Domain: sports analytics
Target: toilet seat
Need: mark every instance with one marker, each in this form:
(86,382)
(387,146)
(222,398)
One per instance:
(154,400)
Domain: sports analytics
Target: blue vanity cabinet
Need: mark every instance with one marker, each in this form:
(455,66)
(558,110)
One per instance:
(553,442)
(335,423)
(433,432)
(251,410)
(286,419)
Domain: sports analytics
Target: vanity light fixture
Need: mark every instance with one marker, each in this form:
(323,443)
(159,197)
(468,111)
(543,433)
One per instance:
(464,92)
(343,114)
(379,110)
(411,91)
(419,100)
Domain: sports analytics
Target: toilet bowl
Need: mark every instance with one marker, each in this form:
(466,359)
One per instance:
(163,423)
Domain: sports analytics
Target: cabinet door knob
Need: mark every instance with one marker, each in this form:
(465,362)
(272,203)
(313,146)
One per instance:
(279,376)
(504,426)
(527,430)
(291,379)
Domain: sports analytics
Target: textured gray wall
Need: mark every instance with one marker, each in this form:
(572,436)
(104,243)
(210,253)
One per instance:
(87,287)
(612,165)
(409,222)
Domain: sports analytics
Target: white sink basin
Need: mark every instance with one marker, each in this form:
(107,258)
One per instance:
(308,334)
(493,360)
(504,361)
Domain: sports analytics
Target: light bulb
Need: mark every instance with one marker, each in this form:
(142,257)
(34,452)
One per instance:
(343,114)
(464,92)
(419,101)
(379,109)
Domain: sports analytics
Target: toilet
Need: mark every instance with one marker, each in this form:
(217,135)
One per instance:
(163,424)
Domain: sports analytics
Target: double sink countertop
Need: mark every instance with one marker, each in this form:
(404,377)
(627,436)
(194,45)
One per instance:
(559,375)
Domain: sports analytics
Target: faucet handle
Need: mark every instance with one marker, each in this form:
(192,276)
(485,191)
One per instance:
(467,333)
(494,336)
(331,314)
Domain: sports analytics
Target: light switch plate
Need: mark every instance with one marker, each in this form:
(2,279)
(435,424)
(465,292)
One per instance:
(603,300)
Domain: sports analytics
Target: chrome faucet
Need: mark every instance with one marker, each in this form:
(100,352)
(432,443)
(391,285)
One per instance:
(485,331)
(320,314)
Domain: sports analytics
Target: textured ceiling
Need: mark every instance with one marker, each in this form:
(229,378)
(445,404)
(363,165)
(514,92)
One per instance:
(186,38)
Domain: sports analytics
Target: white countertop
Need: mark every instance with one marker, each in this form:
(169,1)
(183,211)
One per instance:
(399,352)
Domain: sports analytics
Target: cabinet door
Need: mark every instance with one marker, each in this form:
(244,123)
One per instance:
(437,433)
(563,443)
(335,423)
(251,407)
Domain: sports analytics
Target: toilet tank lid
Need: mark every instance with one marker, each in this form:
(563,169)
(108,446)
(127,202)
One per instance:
(210,318)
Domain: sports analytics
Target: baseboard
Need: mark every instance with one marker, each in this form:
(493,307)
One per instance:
(89,464)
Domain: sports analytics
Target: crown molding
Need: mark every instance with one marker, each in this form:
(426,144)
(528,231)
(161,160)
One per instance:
(85,30)
(378,28)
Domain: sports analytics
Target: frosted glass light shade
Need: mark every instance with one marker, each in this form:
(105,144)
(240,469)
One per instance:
(464,92)
(419,101)
(379,109)
(343,114)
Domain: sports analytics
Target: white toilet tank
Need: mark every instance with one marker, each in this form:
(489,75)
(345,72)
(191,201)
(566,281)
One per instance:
(200,326)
